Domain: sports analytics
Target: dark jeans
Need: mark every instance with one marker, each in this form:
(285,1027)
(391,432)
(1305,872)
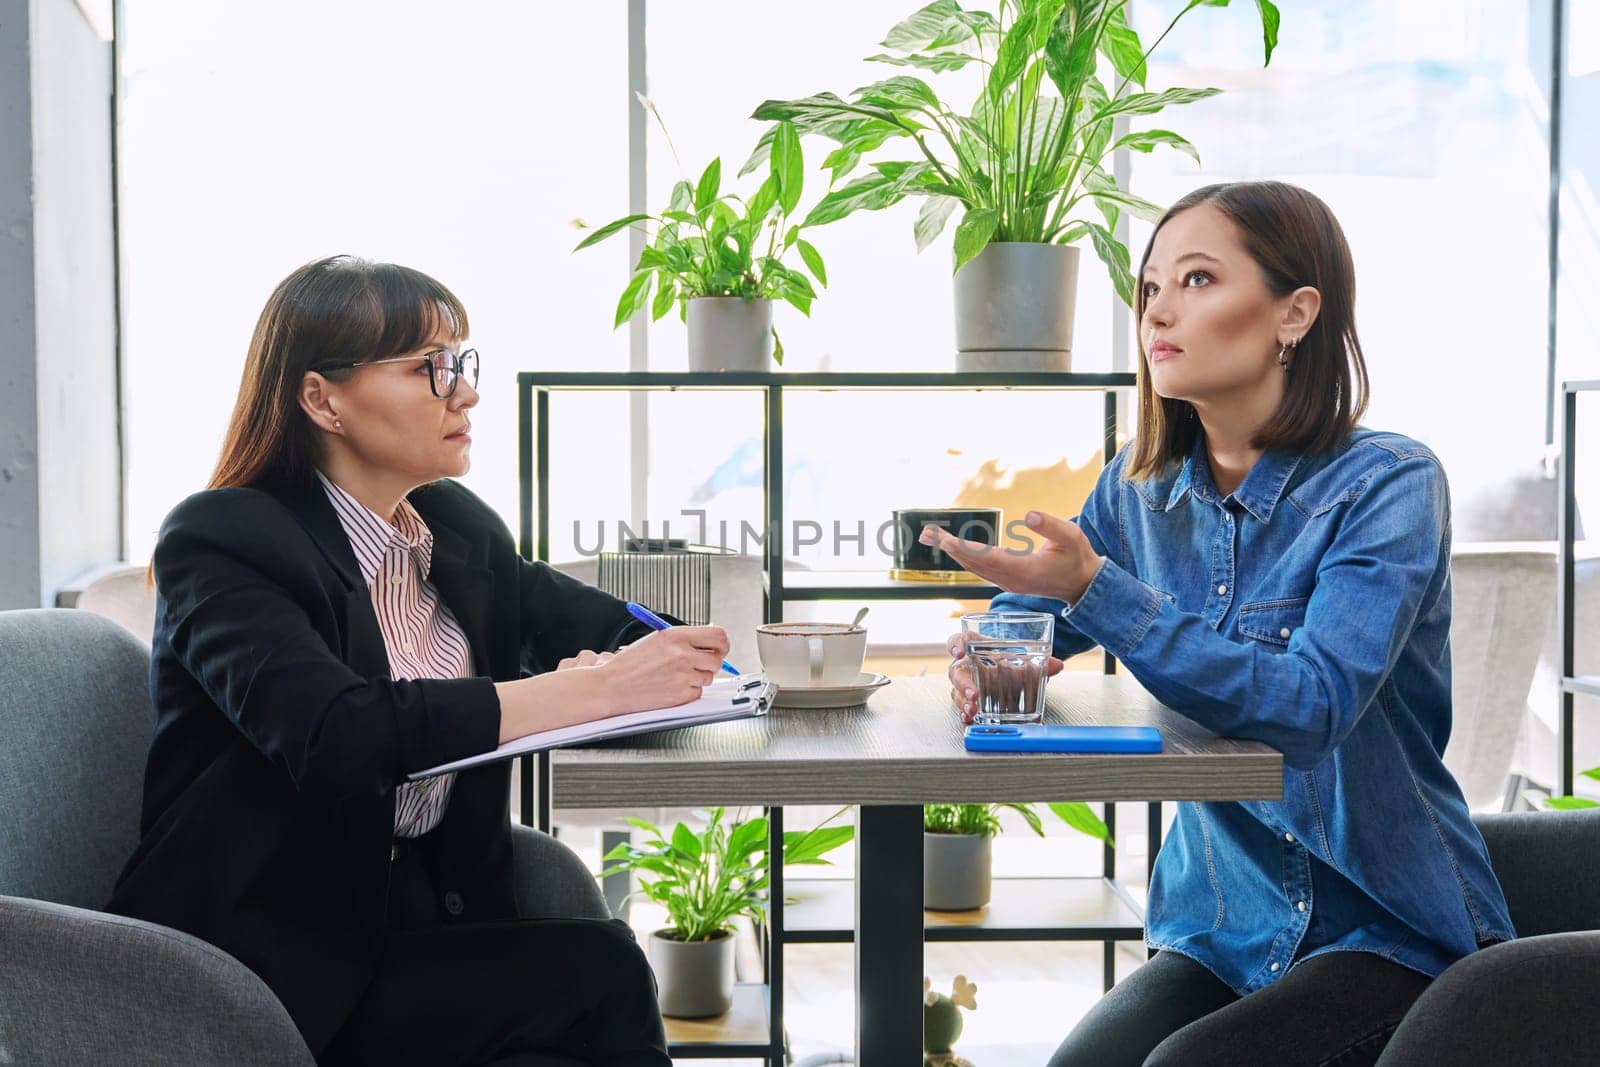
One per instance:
(1340,1008)
(477,993)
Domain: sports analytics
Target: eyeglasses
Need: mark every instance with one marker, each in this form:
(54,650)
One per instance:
(447,368)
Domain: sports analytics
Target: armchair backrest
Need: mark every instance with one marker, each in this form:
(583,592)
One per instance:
(75,730)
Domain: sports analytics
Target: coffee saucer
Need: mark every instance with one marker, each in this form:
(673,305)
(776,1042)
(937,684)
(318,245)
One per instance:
(830,696)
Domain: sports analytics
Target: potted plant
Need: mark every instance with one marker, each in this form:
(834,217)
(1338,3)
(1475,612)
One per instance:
(957,858)
(706,880)
(1023,163)
(720,258)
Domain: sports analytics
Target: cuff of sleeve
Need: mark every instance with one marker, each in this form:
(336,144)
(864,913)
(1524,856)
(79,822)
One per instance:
(463,719)
(1116,610)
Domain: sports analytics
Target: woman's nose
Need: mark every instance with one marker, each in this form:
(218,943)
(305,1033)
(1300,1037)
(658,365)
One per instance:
(465,396)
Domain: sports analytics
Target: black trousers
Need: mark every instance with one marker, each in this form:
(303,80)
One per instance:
(487,992)
(1336,1009)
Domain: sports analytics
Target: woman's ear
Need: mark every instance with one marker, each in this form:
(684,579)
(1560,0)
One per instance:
(319,403)
(1300,314)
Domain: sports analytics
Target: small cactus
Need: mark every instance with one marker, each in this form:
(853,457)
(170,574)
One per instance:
(941,1021)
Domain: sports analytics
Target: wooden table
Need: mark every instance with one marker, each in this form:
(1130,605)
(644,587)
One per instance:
(892,755)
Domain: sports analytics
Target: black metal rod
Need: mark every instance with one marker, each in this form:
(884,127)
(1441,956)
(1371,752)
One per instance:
(524,468)
(774,968)
(735,380)
(542,451)
(1566,517)
(772,492)
(889,935)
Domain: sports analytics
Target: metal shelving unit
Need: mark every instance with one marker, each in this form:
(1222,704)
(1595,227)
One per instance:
(1061,909)
(1566,518)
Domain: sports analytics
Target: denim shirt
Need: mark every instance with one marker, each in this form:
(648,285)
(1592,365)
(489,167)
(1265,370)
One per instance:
(1309,610)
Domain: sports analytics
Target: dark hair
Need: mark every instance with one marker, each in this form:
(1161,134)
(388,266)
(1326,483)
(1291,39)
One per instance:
(1296,241)
(339,309)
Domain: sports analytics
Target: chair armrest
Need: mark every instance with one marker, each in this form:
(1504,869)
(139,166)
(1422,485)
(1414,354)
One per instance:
(1524,1001)
(550,879)
(80,986)
(1548,863)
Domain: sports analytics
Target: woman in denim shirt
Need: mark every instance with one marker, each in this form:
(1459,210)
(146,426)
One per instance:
(1269,569)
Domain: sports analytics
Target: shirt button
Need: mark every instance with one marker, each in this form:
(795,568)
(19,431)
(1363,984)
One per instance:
(453,903)
(1301,905)
(1284,633)
(397,579)
(1289,838)
(1273,968)
(1222,590)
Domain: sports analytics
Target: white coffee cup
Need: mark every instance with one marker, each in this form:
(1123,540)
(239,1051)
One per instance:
(811,653)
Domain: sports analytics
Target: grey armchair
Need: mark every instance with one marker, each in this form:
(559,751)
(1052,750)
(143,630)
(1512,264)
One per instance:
(78,985)
(1531,1000)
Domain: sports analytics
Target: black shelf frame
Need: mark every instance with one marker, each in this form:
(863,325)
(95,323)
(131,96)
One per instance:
(534,390)
(1572,684)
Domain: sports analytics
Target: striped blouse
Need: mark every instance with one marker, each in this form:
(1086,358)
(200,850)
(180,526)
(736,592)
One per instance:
(420,634)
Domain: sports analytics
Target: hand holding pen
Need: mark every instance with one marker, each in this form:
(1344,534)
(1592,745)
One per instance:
(656,622)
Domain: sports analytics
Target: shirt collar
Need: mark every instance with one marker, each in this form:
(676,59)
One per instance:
(371,535)
(1258,494)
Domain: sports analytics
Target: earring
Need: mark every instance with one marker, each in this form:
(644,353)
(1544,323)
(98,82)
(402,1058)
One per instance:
(1283,357)
(337,425)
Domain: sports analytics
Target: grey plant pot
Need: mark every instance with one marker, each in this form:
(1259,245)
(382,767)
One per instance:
(956,871)
(694,978)
(1014,308)
(729,333)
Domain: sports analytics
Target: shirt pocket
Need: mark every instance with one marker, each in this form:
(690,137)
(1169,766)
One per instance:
(1273,622)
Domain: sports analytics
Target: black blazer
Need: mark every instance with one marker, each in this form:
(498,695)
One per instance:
(280,738)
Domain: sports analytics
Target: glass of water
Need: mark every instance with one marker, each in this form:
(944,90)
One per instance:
(1007,652)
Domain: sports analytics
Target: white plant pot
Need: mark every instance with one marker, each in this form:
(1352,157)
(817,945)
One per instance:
(730,333)
(694,979)
(956,871)
(1015,304)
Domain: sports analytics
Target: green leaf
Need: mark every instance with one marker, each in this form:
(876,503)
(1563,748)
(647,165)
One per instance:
(923,27)
(1016,48)
(1069,51)
(1592,772)
(972,235)
(932,217)
(938,62)
(608,229)
(1137,206)
(1571,803)
(682,198)
(666,293)
(761,203)
(1147,140)
(633,297)
(809,846)
(1114,254)
(870,193)
(705,191)
(686,841)
(813,261)
(901,92)
(1150,103)
(777,347)
(1082,818)
(1269,27)
(788,166)
(809,111)
(1121,46)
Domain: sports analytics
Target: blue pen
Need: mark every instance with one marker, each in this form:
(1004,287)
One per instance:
(656,622)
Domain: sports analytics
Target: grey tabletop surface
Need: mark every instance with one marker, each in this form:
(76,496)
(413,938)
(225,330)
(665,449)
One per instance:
(903,746)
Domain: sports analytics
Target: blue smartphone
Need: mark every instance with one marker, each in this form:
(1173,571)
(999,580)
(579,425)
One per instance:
(1038,737)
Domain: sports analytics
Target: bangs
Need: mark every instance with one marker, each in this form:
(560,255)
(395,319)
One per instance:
(412,310)
(355,311)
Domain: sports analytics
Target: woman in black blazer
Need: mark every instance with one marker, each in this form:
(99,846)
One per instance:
(269,823)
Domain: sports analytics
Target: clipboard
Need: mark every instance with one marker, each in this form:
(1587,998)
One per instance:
(724,700)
